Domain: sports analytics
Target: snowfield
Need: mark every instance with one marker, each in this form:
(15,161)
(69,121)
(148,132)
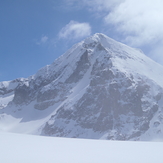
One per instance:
(20,148)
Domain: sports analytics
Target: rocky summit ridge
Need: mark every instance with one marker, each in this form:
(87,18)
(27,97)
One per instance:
(98,89)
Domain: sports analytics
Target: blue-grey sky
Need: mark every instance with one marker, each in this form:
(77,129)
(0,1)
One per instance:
(33,33)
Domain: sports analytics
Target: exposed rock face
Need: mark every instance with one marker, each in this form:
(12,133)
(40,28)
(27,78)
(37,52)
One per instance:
(98,89)
(111,104)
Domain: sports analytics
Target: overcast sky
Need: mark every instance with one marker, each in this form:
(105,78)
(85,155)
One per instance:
(33,33)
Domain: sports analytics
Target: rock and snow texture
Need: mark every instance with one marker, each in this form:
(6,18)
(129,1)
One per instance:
(98,89)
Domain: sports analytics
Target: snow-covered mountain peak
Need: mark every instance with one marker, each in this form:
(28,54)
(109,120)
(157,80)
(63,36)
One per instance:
(98,38)
(99,88)
(101,48)
(93,40)
(114,48)
(98,45)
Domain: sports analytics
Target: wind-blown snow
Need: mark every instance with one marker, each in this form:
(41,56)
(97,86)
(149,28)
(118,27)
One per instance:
(37,149)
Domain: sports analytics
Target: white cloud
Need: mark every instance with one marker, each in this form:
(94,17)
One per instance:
(43,40)
(75,30)
(137,23)
(141,22)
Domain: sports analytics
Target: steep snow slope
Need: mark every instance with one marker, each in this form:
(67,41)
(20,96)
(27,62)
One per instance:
(31,149)
(100,88)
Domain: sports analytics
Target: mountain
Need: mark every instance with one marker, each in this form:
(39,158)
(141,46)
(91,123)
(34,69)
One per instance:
(99,89)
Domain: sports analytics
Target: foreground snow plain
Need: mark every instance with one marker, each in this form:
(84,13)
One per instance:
(20,148)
